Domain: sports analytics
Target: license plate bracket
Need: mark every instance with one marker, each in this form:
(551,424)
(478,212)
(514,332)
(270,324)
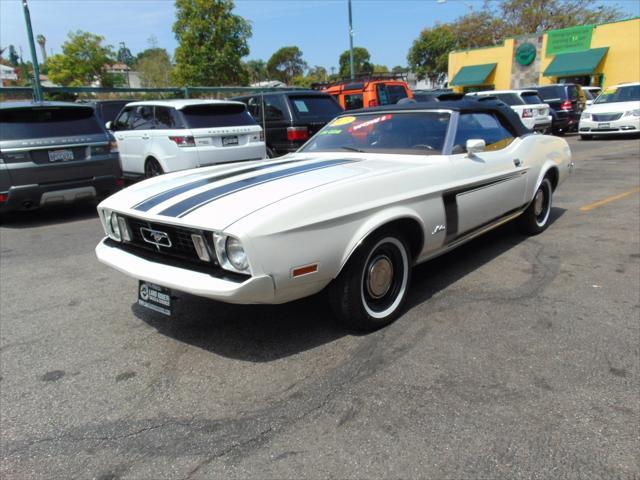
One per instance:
(154,297)
(60,155)
(230,141)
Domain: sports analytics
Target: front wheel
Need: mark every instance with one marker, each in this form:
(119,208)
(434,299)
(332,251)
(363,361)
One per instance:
(586,137)
(535,218)
(370,291)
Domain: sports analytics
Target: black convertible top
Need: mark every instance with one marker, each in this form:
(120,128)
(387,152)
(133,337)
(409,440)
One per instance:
(486,104)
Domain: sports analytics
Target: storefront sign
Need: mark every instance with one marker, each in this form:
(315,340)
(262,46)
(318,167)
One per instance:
(526,54)
(574,39)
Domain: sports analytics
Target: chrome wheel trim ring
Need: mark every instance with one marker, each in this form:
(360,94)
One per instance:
(545,211)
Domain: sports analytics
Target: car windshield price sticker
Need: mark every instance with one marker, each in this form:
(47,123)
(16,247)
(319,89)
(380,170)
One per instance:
(154,297)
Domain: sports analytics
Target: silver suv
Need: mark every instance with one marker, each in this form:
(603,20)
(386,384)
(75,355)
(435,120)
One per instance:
(54,152)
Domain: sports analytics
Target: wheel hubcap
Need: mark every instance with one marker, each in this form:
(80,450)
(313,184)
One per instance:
(538,202)
(380,276)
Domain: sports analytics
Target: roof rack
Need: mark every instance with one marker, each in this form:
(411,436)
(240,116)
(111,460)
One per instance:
(361,78)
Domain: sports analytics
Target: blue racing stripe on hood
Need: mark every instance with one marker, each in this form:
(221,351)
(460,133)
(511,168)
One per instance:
(157,199)
(190,204)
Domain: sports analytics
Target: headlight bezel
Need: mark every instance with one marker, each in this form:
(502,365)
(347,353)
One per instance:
(585,116)
(632,113)
(221,242)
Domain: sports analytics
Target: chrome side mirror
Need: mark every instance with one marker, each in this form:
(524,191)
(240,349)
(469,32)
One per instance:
(475,145)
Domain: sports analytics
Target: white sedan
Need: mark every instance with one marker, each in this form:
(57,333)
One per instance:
(372,194)
(616,111)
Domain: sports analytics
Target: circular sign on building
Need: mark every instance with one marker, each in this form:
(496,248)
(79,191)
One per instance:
(526,54)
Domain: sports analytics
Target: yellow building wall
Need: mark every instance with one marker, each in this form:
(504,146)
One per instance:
(502,55)
(621,63)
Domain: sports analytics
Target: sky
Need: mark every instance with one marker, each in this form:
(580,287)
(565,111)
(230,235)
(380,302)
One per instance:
(319,28)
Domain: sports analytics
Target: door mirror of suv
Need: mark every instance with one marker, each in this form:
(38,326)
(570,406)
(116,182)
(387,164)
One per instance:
(476,145)
(109,125)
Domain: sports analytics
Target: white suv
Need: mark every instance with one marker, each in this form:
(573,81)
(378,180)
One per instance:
(156,137)
(533,112)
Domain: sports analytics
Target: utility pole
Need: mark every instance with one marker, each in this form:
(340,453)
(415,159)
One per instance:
(351,68)
(37,92)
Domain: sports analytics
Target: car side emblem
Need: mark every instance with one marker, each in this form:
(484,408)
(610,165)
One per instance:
(155,237)
(438,228)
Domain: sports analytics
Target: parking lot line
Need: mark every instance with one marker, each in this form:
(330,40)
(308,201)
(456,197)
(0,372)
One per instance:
(604,201)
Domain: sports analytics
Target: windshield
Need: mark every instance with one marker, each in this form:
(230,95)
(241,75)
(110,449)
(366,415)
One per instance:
(620,94)
(217,115)
(46,122)
(417,133)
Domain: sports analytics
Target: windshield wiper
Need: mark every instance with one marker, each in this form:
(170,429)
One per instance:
(353,149)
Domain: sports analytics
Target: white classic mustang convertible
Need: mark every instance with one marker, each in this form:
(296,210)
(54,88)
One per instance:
(372,194)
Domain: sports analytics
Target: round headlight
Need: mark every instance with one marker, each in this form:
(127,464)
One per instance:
(115,228)
(236,254)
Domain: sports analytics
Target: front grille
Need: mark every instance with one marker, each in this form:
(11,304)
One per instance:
(180,237)
(605,117)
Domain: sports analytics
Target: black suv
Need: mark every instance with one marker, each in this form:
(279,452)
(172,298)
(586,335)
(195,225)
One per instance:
(54,152)
(566,102)
(108,110)
(292,117)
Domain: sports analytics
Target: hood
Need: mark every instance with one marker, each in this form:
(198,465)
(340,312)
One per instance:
(216,197)
(614,107)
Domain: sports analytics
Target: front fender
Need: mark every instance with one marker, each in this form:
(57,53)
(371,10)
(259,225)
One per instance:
(374,223)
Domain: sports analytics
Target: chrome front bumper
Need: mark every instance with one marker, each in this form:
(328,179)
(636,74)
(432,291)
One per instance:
(257,289)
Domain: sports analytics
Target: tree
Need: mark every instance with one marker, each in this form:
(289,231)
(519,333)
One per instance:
(211,43)
(318,74)
(400,69)
(14,58)
(154,65)
(530,16)
(361,62)
(125,56)
(380,68)
(479,29)
(429,54)
(257,70)
(84,59)
(286,63)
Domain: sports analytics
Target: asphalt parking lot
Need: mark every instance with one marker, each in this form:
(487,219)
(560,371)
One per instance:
(517,357)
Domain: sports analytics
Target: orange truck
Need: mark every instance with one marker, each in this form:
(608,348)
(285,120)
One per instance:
(367,92)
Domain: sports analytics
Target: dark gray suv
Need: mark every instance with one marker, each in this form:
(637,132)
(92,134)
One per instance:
(54,152)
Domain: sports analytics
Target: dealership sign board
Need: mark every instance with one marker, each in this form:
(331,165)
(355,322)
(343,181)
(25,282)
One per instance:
(574,39)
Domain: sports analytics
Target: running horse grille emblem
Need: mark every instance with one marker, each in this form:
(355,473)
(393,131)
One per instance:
(155,237)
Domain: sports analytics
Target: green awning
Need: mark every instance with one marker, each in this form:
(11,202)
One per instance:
(576,63)
(472,75)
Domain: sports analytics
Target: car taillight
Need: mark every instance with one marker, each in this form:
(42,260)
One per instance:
(373,103)
(527,113)
(4,197)
(296,134)
(113,146)
(183,141)
(566,105)
(119,182)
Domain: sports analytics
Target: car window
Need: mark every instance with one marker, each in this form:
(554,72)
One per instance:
(275,107)
(572,92)
(314,106)
(254,107)
(214,115)
(483,126)
(123,122)
(630,93)
(531,98)
(142,117)
(396,93)
(166,118)
(353,101)
(383,97)
(509,98)
(551,93)
(109,111)
(46,122)
(414,133)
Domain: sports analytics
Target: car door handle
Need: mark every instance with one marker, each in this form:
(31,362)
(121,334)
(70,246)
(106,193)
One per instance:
(145,137)
(119,138)
(517,162)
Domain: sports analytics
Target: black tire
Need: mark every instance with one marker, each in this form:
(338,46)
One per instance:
(535,218)
(152,168)
(586,137)
(366,295)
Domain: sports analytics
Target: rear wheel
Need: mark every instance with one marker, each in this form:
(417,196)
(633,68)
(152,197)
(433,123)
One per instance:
(152,168)
(535,218)
(370,291)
